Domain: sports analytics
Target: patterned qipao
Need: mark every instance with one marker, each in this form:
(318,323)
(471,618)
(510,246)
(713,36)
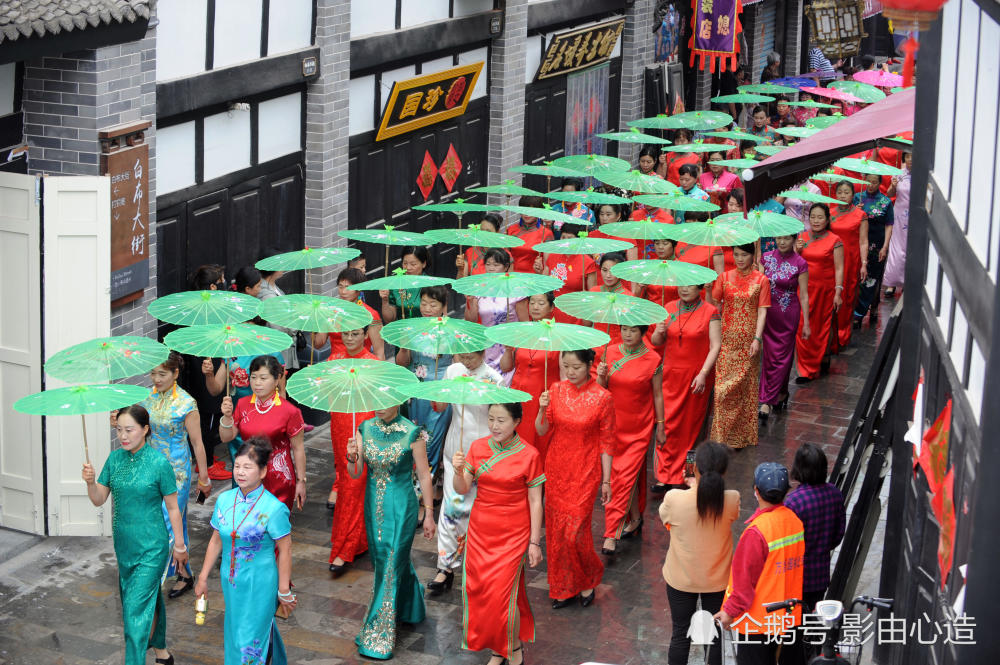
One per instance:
(168,435)
(390,520)
(239,387)
(496,600)
(249,525)
(278,421)
(138,482)
(782,323)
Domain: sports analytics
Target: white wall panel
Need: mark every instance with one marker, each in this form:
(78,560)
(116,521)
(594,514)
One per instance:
(362,104)
(180,38)
(977,376)
(289,25)
(466,7)
(947,303)
(227,143)
(237,31)
(931,274)
(280,124)
(437,65)
(369,17)
(478,55)
(533,58)
(965,95)
(390,77)
(946,100)
(7,85)
(984,151)
(174,157)
(415,12)
(959,341)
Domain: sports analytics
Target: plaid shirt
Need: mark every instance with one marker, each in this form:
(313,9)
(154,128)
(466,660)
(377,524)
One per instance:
(821,509)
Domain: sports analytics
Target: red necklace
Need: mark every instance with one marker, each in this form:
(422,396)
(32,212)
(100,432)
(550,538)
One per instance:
(232,535)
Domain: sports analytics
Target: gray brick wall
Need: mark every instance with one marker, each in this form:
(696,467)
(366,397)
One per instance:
(507,63)
(793,37)
(702,90)
(327,136)
(637,53)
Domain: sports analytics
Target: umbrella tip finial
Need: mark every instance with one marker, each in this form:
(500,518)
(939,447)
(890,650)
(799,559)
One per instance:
(205,295)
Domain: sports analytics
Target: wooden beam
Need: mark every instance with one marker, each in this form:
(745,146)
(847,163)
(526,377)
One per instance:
(553,14)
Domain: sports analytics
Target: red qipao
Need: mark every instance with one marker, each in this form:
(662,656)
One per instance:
(818,253)
(582,420)
(847,227)
(684,412)
(475,260)
(337,342)
(347,535)
(674,163)
(496,600)
(615,331)
(660,295)
(630,381)
(531,234)
(529,376)
(567,267)
(278,420)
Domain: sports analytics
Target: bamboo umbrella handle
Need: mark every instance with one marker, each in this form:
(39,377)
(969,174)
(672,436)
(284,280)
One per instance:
(227,377)
(86,448)
(387,260)
(461,432)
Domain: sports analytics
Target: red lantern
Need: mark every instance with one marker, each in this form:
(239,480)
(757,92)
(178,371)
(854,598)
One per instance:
(912,14)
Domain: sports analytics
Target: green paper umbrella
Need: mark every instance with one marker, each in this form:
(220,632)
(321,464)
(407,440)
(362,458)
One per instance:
(190,308)
(697,146)
(458,206)
(588,196)
(506,284)
(838,177)
(548,170)
(824,121)
(765,224)
(508,188)
(715,234)
(582,245)
(768,88)
(590,164)
(350,386)
(310,257)
(436,335)
(899,89)
(400,281)
(736,163)
(314,313)
(636,181)
(742,98)
(388,236)
(80,401)
(227,341)
(798,132)
(803,194)
(811,104)
(633,136)
(863,91)
(106,359)
(693,120)
(663,273)
(900,139)
(546,335)
(769,150)
(676,201)
(473,236)
(645,229)
(547,213)
(735,135)
(869,166)
(611,308)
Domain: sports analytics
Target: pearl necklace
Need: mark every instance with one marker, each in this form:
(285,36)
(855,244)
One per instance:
(256,405)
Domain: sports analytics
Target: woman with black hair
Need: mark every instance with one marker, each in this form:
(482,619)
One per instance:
(491,311)
(575,208)
(269,289)
(505,525)
(760,126)
(471,263)
(610,283)
(649,156)
(743,295)
(405,303)
(532,231)
(248,281)
(346,281)
(581,415)
(697,564)
(824,254)
(577,271)
(671,162)
(208,277)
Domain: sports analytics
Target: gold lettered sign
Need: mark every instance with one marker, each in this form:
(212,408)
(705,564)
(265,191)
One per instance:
(579,49)
(426,100)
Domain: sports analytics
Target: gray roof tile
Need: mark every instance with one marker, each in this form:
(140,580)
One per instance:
(26,18)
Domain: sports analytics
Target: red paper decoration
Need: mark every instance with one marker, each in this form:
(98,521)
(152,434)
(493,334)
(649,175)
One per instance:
(451,167)
(934,453)
(912,14)
(943,505)
(427,176)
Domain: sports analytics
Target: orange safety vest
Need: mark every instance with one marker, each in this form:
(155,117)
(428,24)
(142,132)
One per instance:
(781,577)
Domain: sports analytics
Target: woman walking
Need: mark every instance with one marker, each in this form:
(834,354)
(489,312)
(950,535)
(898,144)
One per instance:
(390,447)
(347,280)
(824,255)
(670,162)
(697,565)
(716,181)
(789,278)
(850,223)
(471,262)
(269,289)
(453,522)
(663,251)
(141,481)
(570,268)
(173,421)
(610,284)
(505,525)
(896,258)
(633,374)
(691,338)
(744,295)
(581,415)
(405,303)
(881,216)
(252,532)
(491,311)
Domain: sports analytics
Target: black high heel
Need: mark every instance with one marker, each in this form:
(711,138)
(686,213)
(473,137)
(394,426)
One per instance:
(637,531)
(338,570)
(659,488)
(177,592)
(587,601)
(558,604)
(169,660)
(782,404)
(513,651)
(437,588)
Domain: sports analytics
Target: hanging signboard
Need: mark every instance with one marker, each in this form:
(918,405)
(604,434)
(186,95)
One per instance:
(579,49)
(127,163)
(426,100)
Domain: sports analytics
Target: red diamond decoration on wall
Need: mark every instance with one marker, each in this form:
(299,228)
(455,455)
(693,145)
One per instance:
(427,176)
(451,167)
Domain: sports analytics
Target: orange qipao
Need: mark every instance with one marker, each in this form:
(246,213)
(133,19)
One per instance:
(847,227)
(582,422)
(496,600)
(818,253)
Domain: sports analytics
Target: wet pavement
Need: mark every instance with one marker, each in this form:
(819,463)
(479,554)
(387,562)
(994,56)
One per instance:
(59,598)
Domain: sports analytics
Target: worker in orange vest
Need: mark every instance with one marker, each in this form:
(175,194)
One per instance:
(766,568)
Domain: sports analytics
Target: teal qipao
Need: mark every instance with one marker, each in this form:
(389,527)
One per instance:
(390,521)
(249,573)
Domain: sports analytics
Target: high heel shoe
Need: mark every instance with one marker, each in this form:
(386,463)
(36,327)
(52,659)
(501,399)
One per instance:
(609,551)
(782,403)
(436,588)
(560,603)
(178,591)
(338,570)
(631,533)
(169,660)
(587,601)
(659,488)
(513,651)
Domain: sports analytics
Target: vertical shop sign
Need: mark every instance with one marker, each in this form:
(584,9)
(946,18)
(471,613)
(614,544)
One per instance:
(715,25)
(126,162)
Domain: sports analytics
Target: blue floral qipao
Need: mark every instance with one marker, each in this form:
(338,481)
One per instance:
(250,578)
(168,435)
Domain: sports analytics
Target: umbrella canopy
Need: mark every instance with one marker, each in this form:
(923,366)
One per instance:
(803,194)
(769,149)
(694,120)
(350,386)
(636,181)
(227,341)
(771,88)
(697,146)
(190,308)
(310,257)
(549,170)
(548,213)
(546,335)
(869,166)
(314,313)
(611,308)
(879,78)
(80,400)
(797,132)
(898,89)
(436,335)
(106,359)
(869,93)
(812,104)
(386,236)
(633,136)
(589,164)
(508,188)
(676,201)
(736,163)
(465,390)
(506,284)
(831,93)
(588,196)
(715,234)
(399,281)
(797,82)
(838,177)
(735,135)
(473,236)
(742,98)
(458,206)
(582,245)
(824,121)
(645,229)
(765,224)
(664,273)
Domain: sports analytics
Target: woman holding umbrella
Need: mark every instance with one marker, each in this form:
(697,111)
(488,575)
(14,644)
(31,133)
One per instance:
(850,223)
(415,260)
(649,157)
(506,523)
(491,311)
(389,446)
(348,278)
(663,251)
(671,162)
(581,415)
(824,254)
(567,267)
(141,481)
(633,374)
(532,231)
(472,262)
(610,283)
(881,216)
(716,180)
